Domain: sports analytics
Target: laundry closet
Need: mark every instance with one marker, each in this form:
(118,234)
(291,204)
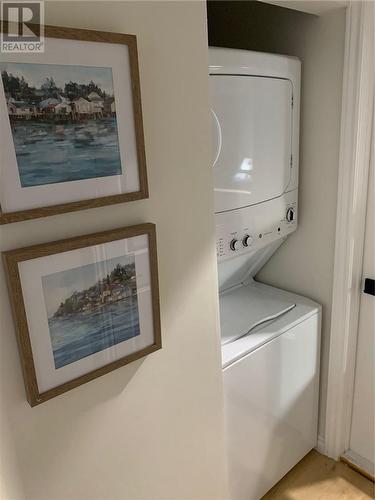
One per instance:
(275,182)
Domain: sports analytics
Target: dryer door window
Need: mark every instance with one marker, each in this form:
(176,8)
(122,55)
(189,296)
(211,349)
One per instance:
(252,139)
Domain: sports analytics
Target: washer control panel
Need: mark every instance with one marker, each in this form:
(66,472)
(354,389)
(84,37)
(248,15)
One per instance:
(251,228)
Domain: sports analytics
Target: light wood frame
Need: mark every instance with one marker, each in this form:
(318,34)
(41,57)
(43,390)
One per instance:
(13,257)
(98,36)
(355,142)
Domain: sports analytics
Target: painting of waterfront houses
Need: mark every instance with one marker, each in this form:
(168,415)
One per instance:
(91,308)
(63,121)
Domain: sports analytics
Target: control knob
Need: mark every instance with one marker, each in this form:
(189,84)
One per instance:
(246,241)
(290,214)
(234,245)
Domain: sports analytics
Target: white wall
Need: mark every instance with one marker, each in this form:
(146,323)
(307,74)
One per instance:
(153,429)
(304,263)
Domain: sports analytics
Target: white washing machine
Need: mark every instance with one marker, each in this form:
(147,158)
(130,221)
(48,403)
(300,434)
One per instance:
(270,337)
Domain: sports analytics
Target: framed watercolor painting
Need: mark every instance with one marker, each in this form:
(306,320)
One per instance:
(71,132)
(83,307)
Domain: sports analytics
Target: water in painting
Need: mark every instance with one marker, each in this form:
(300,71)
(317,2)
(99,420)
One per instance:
(63,122)
(91,308)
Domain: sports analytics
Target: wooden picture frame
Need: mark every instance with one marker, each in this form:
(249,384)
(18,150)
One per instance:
(108,191)
(49,357)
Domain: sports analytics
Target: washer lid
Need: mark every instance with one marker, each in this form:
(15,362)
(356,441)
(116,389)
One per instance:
(252,139)
(245,307)
(240,306)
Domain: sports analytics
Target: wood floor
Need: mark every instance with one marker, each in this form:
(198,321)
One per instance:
(319,478)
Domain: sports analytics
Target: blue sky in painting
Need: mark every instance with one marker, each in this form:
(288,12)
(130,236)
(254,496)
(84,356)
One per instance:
(59,286)
(35,74)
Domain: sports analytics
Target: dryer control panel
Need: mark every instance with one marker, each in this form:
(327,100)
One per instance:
(248,229)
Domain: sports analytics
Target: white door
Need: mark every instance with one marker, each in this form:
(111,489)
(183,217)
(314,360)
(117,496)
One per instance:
(252,139)
(362,436)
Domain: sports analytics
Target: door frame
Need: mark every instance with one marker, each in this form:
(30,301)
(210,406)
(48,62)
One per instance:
(355,144)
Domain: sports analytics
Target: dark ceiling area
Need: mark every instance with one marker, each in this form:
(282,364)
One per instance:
(253,25)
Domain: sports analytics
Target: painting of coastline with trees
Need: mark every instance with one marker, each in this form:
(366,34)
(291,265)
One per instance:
(91,308)
(63,122)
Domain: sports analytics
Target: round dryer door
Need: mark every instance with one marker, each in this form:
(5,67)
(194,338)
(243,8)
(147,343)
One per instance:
(252,139)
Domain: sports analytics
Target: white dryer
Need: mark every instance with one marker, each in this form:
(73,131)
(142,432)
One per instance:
(270,337)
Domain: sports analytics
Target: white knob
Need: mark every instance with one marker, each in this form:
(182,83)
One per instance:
(246,241)
(234,245)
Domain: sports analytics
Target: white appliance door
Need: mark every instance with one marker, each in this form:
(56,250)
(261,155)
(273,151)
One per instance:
(252,139)
(271,409)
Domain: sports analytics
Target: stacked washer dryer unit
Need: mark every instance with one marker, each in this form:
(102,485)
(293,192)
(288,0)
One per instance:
(270,337)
